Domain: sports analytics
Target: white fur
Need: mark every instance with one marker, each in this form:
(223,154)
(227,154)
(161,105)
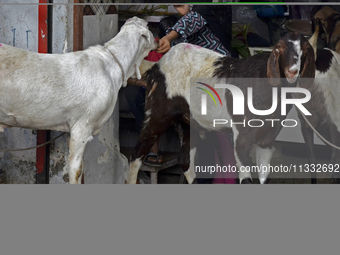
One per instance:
(297,48)
(190,173)
(182,66)
(295,67)
(263,157)
(134,168)
(242,174)
(195,62)
(329,84)
(73,92)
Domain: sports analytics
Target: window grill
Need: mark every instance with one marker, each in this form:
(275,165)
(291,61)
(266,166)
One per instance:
(92,9)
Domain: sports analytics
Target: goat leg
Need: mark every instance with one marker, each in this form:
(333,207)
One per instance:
(153,128)
(263,157)
(335,139)
(307,134)
(243,160)
(187,154)
(140,151)
(78,140)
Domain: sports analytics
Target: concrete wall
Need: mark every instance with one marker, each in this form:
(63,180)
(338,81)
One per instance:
(19,28)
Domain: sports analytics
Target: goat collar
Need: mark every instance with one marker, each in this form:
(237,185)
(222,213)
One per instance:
(114,57)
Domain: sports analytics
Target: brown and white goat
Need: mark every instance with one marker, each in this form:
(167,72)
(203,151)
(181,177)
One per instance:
(330,25)
(168,99)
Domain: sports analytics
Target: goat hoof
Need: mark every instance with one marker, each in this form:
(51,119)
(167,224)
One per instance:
(194,181)
(335,181)
(267,181)
(247,181)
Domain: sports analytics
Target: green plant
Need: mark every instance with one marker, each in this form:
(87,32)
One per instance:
(147,10)
(241,47)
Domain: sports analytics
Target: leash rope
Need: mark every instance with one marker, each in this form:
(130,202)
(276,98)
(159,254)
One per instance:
(114,57)
(314,129)
(317,133)
(38,146)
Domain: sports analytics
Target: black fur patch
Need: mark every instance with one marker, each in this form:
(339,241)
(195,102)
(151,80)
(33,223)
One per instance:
(247,181)
(323,60)
(254,67)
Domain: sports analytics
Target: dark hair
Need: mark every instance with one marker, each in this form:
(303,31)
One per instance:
(166,23)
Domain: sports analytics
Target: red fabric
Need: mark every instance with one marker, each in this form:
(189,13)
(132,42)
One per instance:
(227,151)
(154,56)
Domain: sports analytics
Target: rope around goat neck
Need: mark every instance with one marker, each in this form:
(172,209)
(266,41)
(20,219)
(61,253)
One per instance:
(114,57)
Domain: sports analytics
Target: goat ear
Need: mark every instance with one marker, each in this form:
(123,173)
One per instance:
(273,68)
(308,69)
(137,72)
(146,33)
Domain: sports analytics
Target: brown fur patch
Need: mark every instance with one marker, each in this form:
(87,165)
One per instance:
(336,31)
(154,86)
(337,47)
(325,13)
(78,173)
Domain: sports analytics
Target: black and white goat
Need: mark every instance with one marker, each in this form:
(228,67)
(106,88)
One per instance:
(168,99)
(324,102)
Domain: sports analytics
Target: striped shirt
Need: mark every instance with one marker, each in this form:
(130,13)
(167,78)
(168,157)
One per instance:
(194,29)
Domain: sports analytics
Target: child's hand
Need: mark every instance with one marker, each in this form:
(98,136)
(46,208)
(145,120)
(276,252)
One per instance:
(164,45)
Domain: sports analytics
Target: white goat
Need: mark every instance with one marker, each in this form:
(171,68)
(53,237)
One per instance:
(74,92)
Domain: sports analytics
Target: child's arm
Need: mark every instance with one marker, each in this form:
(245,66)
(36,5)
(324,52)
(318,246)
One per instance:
(165,42)
(186,26)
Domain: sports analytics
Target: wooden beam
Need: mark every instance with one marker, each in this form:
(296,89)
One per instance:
(78,26)
(42,156)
